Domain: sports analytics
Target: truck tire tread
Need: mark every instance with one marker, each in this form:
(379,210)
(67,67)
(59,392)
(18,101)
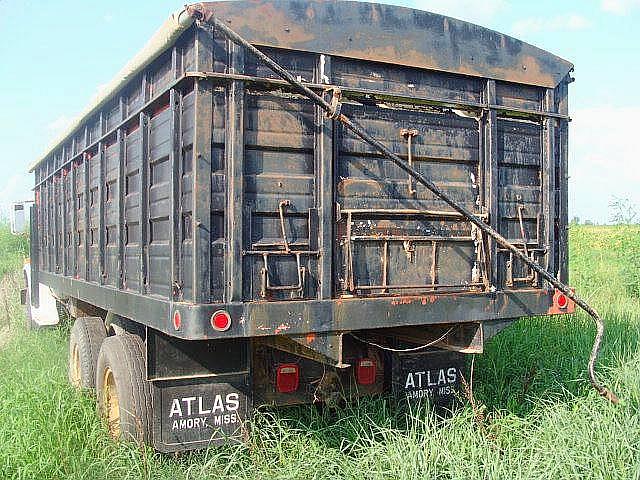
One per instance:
(125,356)
(87,333)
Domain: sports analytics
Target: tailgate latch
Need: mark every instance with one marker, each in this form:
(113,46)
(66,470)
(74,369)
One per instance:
(408,134)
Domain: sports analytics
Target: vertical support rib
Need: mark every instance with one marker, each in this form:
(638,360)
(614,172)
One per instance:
(87,229)
(101,214)
(324,181)
(51,198)
(121,206)
(434,263)
(101,202)
(41,199)
(175,103)
(385,266)
(87,225)
(122,151)
(548,182)
(144,199)
(63,213)
(176,183)
(491,177)
(202,170)
(46,203)
(234,155)
(563,181)
(55,219)
(74,210)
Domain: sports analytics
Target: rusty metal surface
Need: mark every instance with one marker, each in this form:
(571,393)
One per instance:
(261,319)
(390,34)
(318,382)
(458,337)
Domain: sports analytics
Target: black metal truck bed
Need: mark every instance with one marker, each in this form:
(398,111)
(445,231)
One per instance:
(201,182)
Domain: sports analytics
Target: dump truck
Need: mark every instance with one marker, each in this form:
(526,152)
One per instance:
(294,202)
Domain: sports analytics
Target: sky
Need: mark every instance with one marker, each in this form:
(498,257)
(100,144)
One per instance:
(55,56)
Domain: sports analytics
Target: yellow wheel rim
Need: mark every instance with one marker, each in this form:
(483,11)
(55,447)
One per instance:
(111,404)
(75,367)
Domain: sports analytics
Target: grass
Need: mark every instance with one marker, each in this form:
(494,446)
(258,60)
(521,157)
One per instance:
(536,415)
(13,250)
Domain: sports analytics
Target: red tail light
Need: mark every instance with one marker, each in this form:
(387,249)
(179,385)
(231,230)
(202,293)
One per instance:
(366,371)
(287,378)
(561,304)
(562,300)
(177,320)
(221,321)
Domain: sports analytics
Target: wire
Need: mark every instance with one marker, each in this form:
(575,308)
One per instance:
(402,350)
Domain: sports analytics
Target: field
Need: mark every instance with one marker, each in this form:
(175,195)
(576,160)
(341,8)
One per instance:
(535,415)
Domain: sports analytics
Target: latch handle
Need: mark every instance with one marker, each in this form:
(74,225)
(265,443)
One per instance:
(281,206)
(409,133)
(266,284)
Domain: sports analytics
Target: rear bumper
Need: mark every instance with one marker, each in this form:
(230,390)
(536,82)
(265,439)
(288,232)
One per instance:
(253,319)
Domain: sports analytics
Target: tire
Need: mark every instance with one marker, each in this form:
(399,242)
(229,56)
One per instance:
(124,393)
(87,335)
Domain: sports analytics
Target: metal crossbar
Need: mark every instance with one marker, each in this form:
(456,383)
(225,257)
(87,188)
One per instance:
(333,111)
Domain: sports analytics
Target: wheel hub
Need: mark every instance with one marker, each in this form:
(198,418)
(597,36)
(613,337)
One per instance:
(75,368)
(111,404)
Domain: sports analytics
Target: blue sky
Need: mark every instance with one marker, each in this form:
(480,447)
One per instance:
(56,55)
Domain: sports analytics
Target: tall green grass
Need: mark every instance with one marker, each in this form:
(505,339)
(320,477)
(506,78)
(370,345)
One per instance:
(536,416)
(13,250)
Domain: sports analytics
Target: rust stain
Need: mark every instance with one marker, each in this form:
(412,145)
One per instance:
(429,299)
(273,22)
(310,338)
(402,301)
(283,327)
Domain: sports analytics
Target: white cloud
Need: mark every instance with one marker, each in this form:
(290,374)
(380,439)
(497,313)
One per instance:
(570,21)
(619,7)
(603,160)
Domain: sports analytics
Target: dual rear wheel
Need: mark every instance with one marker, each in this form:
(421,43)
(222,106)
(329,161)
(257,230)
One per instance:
(114,369)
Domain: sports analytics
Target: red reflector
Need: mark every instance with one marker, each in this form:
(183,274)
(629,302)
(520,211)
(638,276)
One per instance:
(220,321)
(562,300)
(177,320)
(366,371)
(287,378)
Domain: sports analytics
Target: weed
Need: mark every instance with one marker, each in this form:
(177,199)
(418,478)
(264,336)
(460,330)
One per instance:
(540,418)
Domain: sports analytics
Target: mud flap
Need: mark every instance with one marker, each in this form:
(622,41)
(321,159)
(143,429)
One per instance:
(191,414)
(432,376)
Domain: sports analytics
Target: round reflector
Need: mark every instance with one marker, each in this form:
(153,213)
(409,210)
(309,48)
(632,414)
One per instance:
(563,301)
(221,321)
(177,320)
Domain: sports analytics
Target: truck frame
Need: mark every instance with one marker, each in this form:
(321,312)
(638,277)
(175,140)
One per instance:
(223,243)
